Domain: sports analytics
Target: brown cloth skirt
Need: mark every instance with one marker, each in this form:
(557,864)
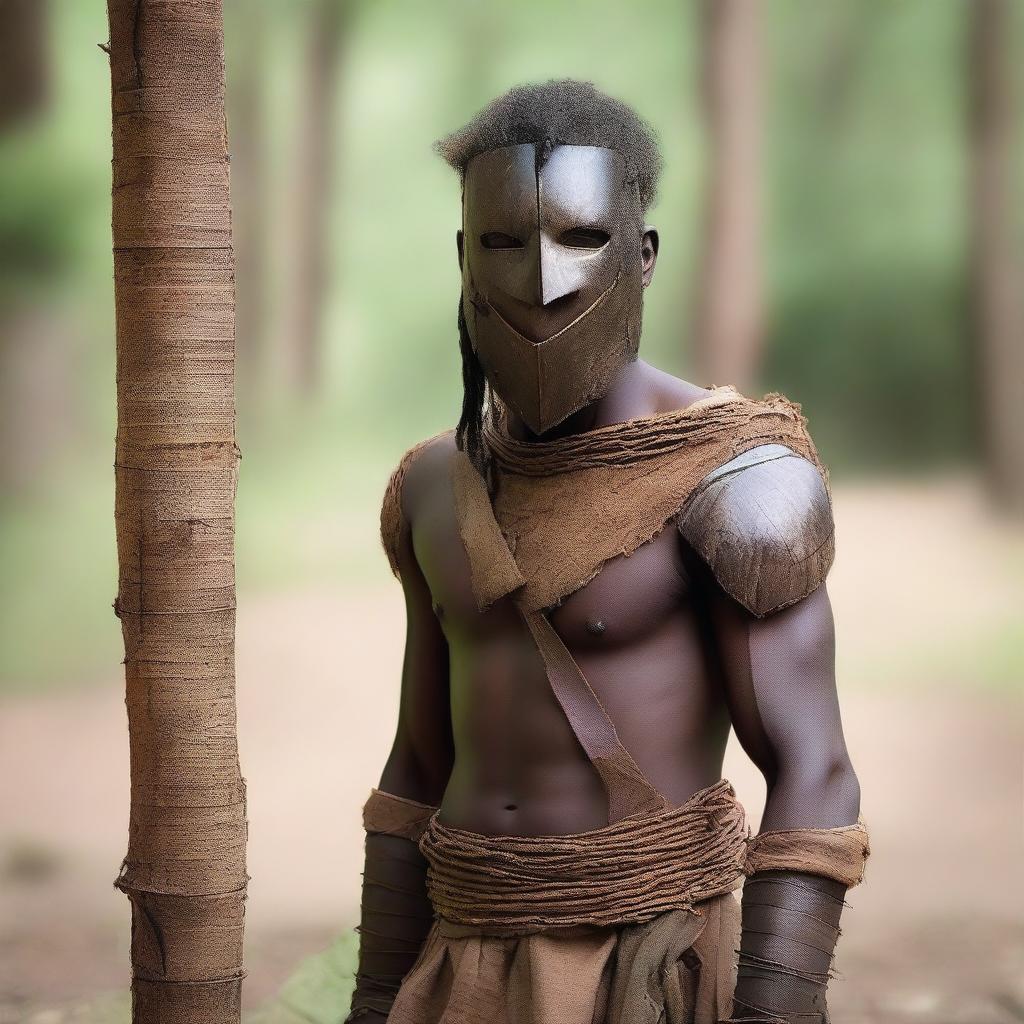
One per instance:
(678,968)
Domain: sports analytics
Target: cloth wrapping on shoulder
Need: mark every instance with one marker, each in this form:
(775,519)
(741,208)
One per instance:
(563,508)
(391,517)
(837,853)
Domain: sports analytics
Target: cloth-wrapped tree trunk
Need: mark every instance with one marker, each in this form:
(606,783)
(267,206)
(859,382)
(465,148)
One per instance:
(176,461)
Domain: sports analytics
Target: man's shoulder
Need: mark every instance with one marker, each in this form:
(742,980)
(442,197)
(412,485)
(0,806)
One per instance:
(422,468)
(669,393)
(762,521)
(424,464)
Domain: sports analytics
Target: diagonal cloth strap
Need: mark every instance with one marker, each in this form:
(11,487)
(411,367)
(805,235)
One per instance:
(629,791)
(493,571)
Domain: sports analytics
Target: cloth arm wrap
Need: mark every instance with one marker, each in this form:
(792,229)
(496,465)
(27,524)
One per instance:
(791,909)
(836,853)
(389,815)
(396,914)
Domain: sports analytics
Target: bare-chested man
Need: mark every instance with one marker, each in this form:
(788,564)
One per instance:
(605,568)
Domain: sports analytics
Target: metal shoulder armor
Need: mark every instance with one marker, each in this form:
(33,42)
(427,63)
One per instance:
(763,523)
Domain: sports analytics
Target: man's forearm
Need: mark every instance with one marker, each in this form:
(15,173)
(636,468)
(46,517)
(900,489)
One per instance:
(792,903)
(395,918)
(790,928)
(396,914)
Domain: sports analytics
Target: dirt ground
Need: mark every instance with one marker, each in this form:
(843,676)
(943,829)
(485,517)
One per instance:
(934,936)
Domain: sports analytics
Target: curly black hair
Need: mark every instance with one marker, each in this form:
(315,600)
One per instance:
(562,112)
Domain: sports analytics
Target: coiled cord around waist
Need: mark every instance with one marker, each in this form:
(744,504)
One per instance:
(626,872)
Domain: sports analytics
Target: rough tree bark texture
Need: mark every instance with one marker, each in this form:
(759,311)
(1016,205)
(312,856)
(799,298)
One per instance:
(314,184)
(175,475)
(997,270)
(728,325)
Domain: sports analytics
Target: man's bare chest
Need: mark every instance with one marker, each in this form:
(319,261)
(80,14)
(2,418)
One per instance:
(629,598)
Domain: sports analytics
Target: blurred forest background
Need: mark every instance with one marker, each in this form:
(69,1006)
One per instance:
(839,214)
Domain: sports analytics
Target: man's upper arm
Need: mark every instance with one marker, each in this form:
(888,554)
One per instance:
(762,526)
(779,674)
(421,757)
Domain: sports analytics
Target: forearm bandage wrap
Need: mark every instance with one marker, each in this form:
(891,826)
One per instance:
(396,912)
(836,853)
(791,911)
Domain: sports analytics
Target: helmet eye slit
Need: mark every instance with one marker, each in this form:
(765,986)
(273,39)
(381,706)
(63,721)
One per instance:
(499,240)
(585,238)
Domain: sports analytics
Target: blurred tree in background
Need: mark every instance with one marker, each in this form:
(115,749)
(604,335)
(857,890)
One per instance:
(348,278)
(997,273)
(728,330)
(24,59)
(319,126)
(247,114)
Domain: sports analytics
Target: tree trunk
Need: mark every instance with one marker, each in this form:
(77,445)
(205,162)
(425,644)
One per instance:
(997,273)
(728,326)
(175,474)
(318,132)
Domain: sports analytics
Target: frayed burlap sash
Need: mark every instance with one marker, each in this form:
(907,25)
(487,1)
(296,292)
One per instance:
(563,508)
(626,872)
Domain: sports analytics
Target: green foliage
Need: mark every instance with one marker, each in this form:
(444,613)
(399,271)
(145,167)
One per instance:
(53,176)
(867,243)
(114,1008)
(59,580)
(865,248)
(320,990)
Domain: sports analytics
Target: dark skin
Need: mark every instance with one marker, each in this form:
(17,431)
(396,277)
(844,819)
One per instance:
(673,659)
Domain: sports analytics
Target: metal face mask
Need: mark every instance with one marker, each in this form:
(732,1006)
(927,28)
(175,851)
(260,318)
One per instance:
(551,276)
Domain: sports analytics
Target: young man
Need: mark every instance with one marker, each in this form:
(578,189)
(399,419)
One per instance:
(604,568)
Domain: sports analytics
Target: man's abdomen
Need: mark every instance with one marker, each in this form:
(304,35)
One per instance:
(519,769)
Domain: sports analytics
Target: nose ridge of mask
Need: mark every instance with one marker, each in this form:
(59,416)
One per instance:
(559,273)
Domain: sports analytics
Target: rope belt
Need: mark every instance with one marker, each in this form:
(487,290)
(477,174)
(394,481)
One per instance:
(624,873)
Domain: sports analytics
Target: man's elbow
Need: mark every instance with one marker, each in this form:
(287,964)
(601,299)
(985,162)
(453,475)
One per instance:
(822,794)
(416,774)
(843,789)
